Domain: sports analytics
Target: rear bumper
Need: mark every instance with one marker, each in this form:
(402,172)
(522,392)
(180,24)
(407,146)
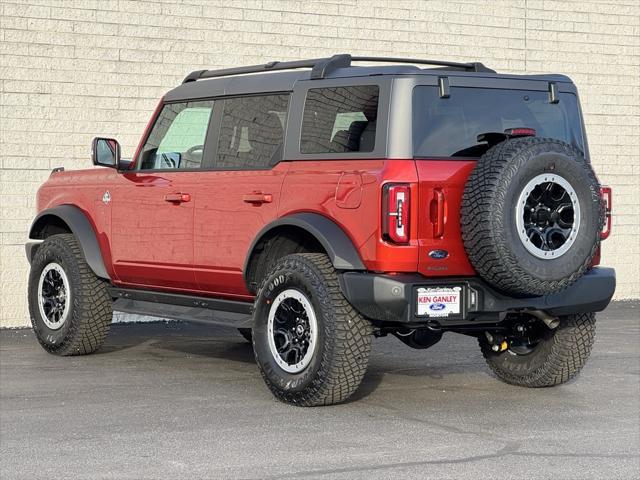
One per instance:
(392,298)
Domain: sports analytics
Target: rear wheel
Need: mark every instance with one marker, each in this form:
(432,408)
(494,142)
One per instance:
(312,347)
(70,307)
(531,354)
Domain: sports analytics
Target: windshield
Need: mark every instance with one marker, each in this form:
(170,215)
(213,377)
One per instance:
(449,127)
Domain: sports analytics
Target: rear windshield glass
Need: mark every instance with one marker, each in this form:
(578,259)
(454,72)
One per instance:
(449,127)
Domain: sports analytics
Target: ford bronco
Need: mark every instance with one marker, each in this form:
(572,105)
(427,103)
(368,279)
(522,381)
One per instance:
(317,204)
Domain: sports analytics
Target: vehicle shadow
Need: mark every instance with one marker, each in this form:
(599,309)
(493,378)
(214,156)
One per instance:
(370,384)
(222,349)
(390,360)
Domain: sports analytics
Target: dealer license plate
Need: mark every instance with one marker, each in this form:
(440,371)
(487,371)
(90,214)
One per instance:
(439,301)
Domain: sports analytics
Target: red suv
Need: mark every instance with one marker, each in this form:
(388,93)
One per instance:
(322,205)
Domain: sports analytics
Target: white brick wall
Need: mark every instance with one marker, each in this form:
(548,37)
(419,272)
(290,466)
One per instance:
(73,69)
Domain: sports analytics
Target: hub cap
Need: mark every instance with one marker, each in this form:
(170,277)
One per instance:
(548,216)
(292,331)
(53,296)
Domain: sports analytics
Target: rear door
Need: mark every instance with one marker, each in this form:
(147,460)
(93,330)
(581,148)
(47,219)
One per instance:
(153,206)
(241,194)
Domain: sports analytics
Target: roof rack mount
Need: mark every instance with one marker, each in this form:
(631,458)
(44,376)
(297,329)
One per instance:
(321,67)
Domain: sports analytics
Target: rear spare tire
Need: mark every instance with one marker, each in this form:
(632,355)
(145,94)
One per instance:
(531,216)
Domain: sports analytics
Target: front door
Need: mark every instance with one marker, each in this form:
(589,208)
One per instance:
(241,195)
(153,205)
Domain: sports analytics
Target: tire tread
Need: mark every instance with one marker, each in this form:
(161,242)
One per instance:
(570,348)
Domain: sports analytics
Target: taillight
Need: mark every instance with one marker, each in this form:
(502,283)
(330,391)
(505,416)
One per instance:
(395,212)
(605,193)
(520,132)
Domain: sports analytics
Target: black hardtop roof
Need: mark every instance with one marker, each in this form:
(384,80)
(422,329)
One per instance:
(282,76)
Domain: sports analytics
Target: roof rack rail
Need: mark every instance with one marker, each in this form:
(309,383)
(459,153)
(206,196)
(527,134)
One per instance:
(470,66)
(321,67)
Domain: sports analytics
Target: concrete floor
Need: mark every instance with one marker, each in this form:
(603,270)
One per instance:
(172,400)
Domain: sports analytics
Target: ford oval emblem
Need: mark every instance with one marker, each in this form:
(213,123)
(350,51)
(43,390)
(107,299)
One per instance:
(437,306)
(438,254)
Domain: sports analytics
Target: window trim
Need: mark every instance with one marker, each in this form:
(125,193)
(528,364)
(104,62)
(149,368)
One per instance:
(292,149)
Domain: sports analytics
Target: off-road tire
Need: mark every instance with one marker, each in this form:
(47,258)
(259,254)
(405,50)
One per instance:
(90,313)
(488,214)
(246,334)
(555,360)
(344,336)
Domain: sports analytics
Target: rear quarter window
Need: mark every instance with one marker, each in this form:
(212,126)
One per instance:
(340,120)
(449,127)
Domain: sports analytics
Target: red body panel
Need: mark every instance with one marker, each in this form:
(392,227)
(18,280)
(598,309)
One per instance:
(84,189)
(226,224)
(444,179)
(319,187)
(201,245)
(152,239)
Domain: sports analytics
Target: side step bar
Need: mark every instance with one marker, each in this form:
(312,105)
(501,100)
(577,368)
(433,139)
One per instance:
(183,307)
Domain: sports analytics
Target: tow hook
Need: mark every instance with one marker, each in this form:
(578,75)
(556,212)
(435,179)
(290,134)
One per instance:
(379,333)
(498,342)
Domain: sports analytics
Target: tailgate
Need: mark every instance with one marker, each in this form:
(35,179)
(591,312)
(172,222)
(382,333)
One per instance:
(441,184)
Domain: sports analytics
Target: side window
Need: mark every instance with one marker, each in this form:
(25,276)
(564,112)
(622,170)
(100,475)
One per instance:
(252,132)
(340,120)
(177,138)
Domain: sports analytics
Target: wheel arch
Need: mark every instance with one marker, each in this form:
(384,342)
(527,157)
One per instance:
(315,230)
(68,219)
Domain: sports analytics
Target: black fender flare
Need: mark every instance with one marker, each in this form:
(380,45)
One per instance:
(80,226)
(339,247)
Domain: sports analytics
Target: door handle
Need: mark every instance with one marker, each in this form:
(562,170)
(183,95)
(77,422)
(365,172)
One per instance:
(437,213)
(177,197)
(257,198)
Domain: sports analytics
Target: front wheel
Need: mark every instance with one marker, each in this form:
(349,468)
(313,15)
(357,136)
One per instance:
(532,355)
(246,334)
(70,307)
(312,347)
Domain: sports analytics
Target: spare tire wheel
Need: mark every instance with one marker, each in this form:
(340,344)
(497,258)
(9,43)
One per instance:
(531,216)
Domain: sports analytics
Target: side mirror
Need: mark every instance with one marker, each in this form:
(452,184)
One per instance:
(105,152)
